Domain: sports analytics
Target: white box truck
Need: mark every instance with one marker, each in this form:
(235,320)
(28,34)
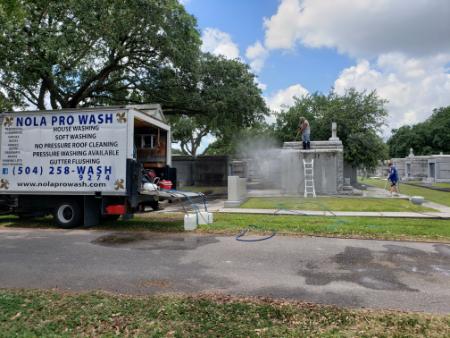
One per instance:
(82,165)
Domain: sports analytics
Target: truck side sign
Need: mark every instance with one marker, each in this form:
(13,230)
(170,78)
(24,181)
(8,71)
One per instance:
(79,152)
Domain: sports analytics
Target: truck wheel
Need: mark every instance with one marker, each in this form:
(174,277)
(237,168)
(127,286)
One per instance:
(67,214)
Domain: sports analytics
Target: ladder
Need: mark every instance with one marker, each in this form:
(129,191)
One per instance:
(308,172)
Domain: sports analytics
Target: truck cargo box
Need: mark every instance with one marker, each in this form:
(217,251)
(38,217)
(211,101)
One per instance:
(82,165)
(80,151)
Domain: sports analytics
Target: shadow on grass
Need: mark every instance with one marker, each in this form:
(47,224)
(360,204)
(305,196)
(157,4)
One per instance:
(164,224)
(10,221)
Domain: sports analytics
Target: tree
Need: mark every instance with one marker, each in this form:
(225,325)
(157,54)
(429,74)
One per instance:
(5,104)
(71,53)
(245,141)
(365,150)
(359,116)
(428,137)
(225,98)
(405,138)
(189,131)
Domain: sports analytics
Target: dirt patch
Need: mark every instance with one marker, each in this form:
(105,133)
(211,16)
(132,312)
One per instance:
(154,241)
(380,270)
(118,239)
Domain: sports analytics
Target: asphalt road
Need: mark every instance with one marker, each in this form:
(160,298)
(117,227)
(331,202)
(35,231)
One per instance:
(356,273)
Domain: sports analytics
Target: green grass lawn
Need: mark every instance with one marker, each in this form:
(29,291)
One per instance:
(441,185)
(231,224)
(333,204)
(347,227)
(438,185)
(441,197)
(52,314)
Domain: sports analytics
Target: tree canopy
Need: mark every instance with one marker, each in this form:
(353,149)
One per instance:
(429,137)
(227,93)
(65,54)
(75,53)
(359,117)
(5,104)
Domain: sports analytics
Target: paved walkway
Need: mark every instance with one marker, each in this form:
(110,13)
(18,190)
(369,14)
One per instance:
(344,272)
(374,192)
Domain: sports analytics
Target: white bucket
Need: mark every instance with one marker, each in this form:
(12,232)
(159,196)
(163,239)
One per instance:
(190,222)
(205,217)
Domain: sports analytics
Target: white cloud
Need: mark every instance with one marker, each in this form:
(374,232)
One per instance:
(219,43)
(413,86)
(284,98)
(362,28)
(261,85)
(281,28)
(257,55)
(402,47)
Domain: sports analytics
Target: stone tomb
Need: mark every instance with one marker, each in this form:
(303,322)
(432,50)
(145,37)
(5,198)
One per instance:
(328,167)
(439,168)
(282,169)
(431,168)
(412,168)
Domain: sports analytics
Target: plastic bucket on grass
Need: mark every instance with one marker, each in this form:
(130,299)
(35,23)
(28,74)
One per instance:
(190,222)
(205,217)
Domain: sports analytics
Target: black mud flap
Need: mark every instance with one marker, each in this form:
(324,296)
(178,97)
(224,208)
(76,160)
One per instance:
(92,210)
(134,181)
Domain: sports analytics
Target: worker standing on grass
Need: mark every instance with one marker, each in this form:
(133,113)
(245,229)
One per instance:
(305,130)
(393,178)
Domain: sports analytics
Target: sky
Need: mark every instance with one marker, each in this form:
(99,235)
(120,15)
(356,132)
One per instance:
(401,48)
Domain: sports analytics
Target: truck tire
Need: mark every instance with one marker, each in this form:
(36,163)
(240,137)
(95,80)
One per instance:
(67,214)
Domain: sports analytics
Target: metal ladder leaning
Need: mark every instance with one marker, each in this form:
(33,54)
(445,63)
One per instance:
(308,172)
